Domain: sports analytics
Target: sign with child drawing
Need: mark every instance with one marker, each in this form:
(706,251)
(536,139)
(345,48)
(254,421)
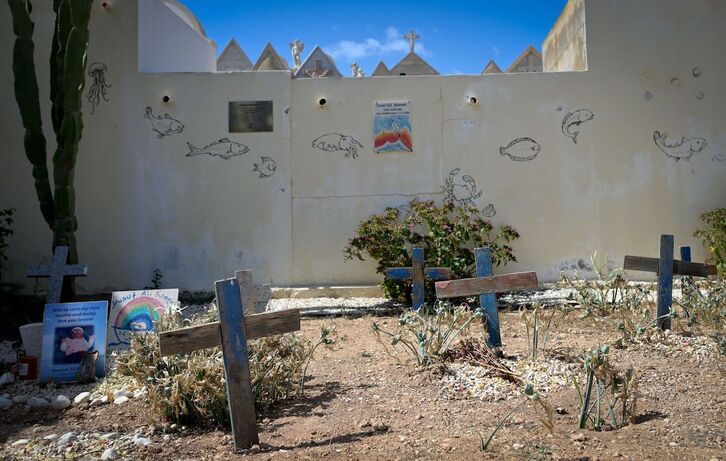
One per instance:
(134,312)
(72,332)
(392,127)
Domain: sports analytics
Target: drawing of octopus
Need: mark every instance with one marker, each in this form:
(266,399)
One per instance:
(332,142)
(97,89)
(462,194)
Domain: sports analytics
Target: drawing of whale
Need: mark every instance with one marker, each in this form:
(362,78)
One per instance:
(224,148)
(573,120)
(521,149)
(332,142)
(681,150)
(163,125)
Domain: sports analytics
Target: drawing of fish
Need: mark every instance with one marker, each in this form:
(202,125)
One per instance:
(224,148)
(489,211)
(163,125)
(266,167)
(521,149)
(332,142)
(681,150)
(573,120)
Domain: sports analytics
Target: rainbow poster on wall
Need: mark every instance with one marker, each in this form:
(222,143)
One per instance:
(135,312)
(392,127)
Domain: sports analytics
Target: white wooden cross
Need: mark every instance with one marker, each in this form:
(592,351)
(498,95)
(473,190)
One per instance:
(412,37)
(234,297)
(56,271)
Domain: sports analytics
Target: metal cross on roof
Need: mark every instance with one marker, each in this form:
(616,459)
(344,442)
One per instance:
(412,37)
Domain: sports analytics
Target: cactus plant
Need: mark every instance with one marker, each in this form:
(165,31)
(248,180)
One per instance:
(67,79)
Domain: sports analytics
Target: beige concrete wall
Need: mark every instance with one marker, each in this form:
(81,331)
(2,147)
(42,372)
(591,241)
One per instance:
(143,204)
(565,47)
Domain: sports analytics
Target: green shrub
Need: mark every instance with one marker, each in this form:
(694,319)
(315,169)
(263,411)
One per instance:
(714,237)
(190,388)
(447,233)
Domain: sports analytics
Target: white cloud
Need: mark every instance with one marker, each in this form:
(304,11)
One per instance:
(496,51)
(393,43)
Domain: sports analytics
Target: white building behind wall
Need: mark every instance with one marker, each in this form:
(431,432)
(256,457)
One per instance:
(639,66)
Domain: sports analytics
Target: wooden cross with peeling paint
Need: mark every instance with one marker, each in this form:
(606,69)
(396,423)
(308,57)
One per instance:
(665,267)
(234,329)
(485,286)
(418,273)
(56,271)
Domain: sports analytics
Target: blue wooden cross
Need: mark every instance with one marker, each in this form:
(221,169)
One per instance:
(56,271)
(488,301)
(666,267)
(418,273)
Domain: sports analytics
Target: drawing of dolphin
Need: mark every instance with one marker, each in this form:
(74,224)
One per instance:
(574,120)
(521,149)
(682,150)
(163,125)
(224,148)
(332,142)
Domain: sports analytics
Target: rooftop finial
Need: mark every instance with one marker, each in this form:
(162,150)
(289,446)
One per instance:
(412,37)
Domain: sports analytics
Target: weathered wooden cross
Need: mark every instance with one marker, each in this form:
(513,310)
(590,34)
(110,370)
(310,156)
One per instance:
(485,286)
(56,271)
(418,273)
(234,297)
(665,267)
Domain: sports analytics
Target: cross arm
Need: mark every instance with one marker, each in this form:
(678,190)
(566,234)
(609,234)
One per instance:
(257,326)
(405,273)
(494,284)
(645,264)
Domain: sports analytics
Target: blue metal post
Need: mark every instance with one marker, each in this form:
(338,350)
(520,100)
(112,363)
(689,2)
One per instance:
(488,301)
(665,282)
(417,294)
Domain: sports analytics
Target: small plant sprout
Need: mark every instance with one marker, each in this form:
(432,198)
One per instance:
(326,339)
(610,395)
(538,325)
(427,336)
(530,396)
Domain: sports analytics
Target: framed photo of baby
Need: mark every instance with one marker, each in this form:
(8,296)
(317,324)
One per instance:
(73,332)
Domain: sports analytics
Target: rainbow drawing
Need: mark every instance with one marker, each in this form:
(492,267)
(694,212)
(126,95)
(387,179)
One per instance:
(135,312)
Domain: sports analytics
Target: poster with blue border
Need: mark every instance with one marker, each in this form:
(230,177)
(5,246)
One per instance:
(70,332)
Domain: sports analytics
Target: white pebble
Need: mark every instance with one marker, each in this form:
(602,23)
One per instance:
(141,441)
(20,442)
(108,454)
(5,404)
(51,437)
(121,400)
(37,402)
(68,437)
(20,398)
(110,436)
(122,393)
(60,402)
(83,397)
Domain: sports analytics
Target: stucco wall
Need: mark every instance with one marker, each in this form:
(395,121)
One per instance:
(565,47)
(143,204)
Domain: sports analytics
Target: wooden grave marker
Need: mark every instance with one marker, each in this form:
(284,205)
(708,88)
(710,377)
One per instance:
(488,301)
(56,271)
(234,297)
(485,286)
(418,273)
(665,267)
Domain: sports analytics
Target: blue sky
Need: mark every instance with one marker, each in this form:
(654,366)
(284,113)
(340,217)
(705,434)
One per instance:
(457,37)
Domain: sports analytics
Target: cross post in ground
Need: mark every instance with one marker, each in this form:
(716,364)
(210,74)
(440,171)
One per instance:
(666,267)
(234,329)
(56,271)
(488,301)
(418,273)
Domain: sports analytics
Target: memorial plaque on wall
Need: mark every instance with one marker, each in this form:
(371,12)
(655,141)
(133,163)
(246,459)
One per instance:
(250,116)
